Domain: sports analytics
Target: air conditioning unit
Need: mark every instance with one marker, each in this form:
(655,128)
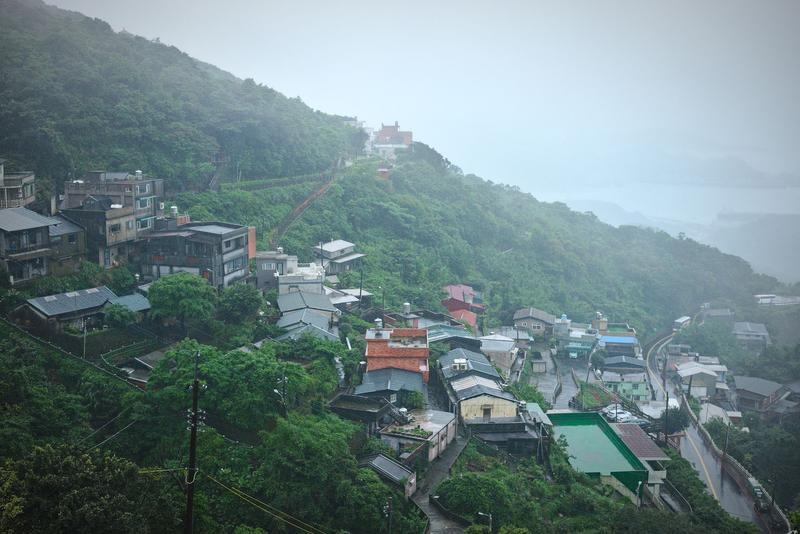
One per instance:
(161,206)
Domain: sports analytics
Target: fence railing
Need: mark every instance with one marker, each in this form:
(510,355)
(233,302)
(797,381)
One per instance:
(737,471)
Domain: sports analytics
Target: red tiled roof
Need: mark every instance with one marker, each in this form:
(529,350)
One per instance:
(466,316)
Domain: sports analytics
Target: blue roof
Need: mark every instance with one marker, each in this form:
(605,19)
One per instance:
(622,340)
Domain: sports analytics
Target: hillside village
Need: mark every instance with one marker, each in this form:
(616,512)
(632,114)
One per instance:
(430,381)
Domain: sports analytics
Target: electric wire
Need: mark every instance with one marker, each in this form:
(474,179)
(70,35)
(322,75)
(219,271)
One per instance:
(102,427)
(113,435)
(288,519)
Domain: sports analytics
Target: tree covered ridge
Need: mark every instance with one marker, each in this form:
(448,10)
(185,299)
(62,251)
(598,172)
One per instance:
(430,225)
(78,96)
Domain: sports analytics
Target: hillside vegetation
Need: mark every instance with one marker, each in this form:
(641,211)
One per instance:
(430,225)
(78,96)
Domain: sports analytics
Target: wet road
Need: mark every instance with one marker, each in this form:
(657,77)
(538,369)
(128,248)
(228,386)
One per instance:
(568,387)
(719,483)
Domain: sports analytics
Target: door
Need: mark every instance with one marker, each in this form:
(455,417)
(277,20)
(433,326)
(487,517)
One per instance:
(487,413)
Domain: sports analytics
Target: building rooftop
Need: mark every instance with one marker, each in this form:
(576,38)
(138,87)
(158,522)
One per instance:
(389,379)
(624,362)
(745,328)
(135,302)
(535,313)
(63,226)
(72,301)
(387,467)
(335,246)
(16,219)
(621,340)
(297,300)
(496,343)
(474,362)
(304,316)
(759,386)
(639,442)
(460,291)
(214,228)
(431,420)
(308,329)
(593,447)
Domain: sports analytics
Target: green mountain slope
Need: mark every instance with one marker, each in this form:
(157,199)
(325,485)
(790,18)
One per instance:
(77,96)
(429,225)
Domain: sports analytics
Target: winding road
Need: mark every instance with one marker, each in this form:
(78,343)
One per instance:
(719,483)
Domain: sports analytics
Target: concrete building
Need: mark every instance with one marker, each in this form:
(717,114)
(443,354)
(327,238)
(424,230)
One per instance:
(431,428)
(18,189)
(757,394)
(535,321)
(142,193)
(501,350)
(25,250)
(111,229)
(398,348)
(68,245)
(752,337)
(276,270)
(392,384)
(463,297)
(479,399)
(338,256)
(217,251)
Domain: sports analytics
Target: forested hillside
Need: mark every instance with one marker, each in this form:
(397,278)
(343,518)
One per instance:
(76,96)
(429,225)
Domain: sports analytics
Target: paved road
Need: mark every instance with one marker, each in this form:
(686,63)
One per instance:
(719,483)
(568,387)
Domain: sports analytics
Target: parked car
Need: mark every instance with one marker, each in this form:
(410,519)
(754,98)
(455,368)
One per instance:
(618,415)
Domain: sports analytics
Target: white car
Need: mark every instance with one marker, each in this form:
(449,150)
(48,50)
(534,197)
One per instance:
(619,415)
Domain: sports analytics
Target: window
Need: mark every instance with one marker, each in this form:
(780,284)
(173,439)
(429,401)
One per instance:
(143,202)
(143,224)
(72,239)
(142,189)
(234,265)
(227,244)
(114,228)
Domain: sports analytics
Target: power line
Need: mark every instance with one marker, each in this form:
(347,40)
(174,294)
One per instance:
(113,436)
(102,427)
(261,505)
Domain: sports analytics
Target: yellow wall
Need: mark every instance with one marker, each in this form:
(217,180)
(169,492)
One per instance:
(473,408)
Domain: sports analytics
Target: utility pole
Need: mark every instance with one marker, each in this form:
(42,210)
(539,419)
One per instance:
(387,510)
(666,420)
(191,475)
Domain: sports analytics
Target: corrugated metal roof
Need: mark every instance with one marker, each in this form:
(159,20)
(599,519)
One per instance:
(72,301)
(621,340)
(16,219)
(389,379)
(63,226)
(387,467)
(135,302)
(297,300)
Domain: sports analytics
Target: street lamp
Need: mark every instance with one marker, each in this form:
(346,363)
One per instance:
(489,515)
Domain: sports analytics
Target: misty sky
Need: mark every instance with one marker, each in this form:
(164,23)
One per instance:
(568,100)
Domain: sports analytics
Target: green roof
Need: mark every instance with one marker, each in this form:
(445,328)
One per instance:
(595,449)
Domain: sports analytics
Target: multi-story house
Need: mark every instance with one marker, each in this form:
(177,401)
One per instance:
(68,245)
(338,256)
(278,270)
(17,190)
(136,190)
(217,251)
(398,348)
(24,244)
(111,229)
